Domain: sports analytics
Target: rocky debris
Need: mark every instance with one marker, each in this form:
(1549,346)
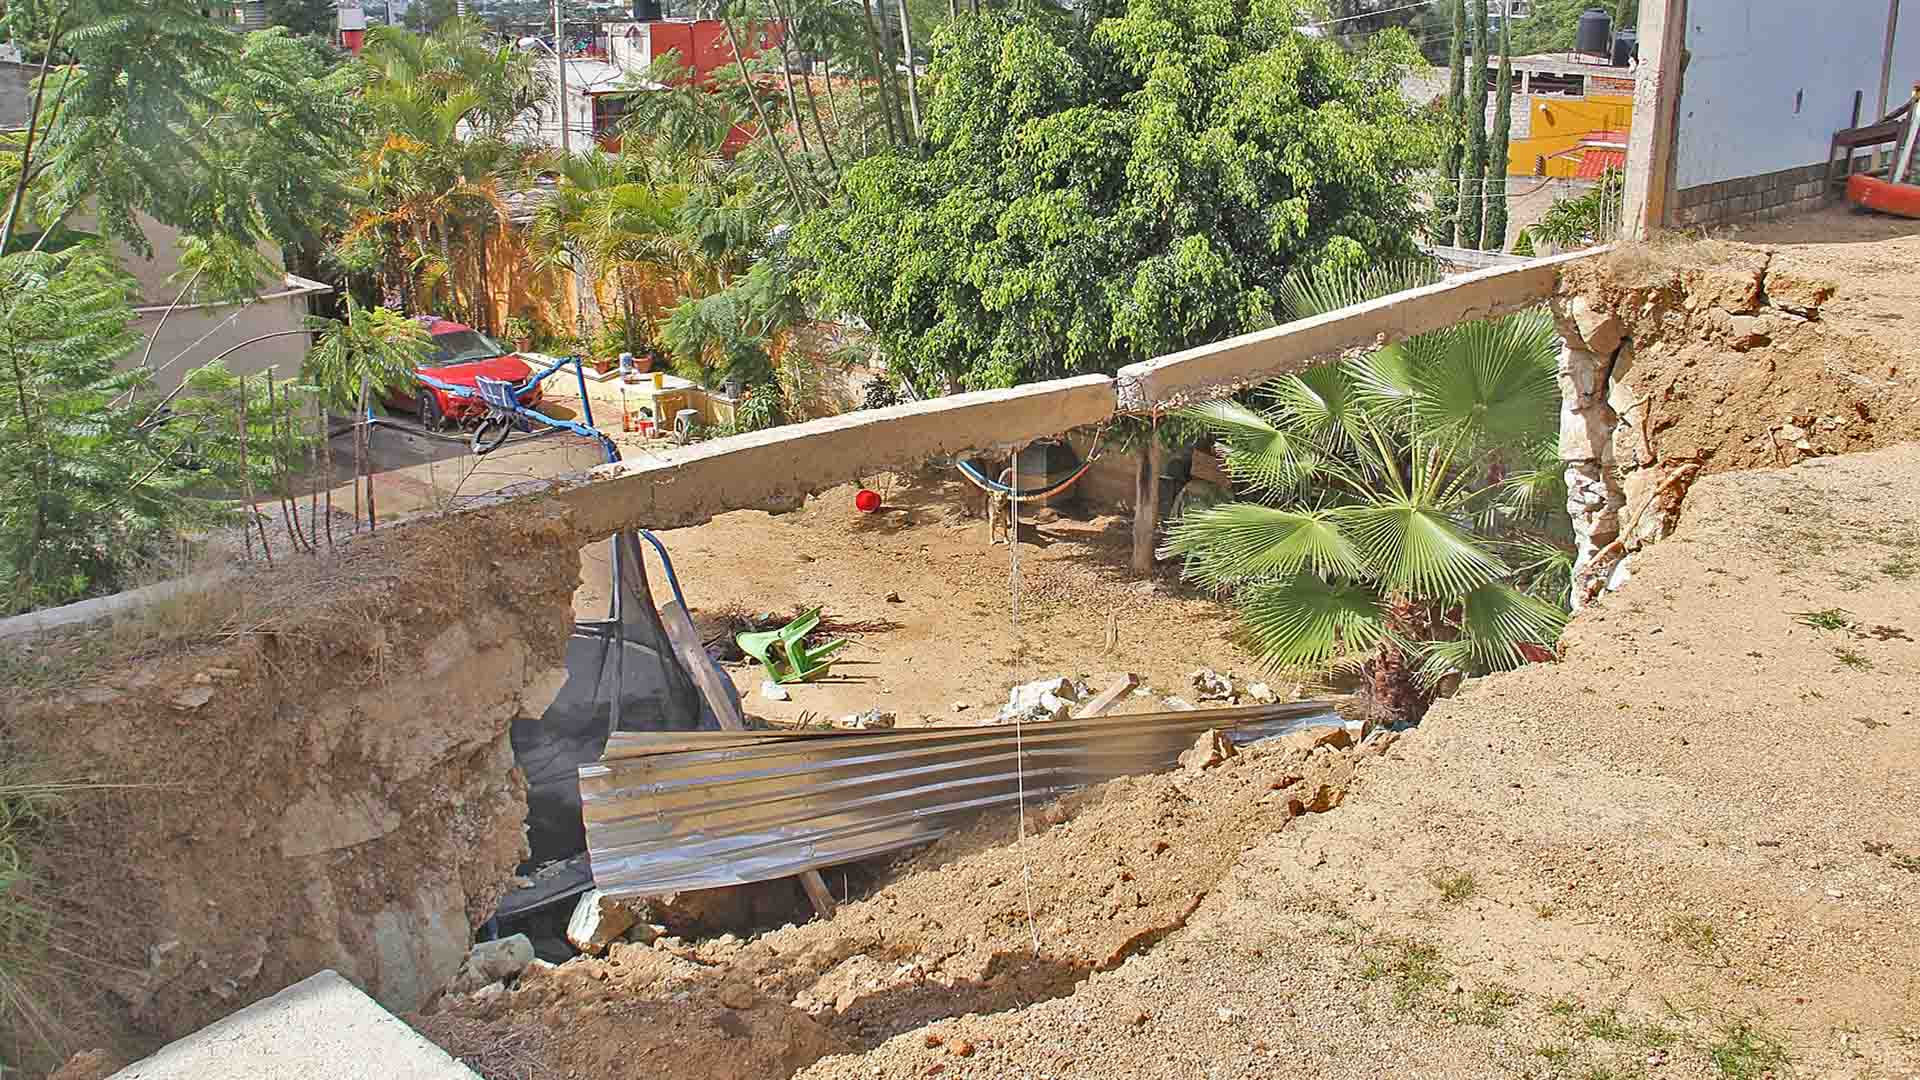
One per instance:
(86,1065)
(1262,693)
(1180,703)
(1210,749)
(193,697)
(1043,699)
(1804,296)
(961,706)
(1314,738)
(491,962)
(737,994)
(598,921)
(1323,798)
(870,720)
(773,691)
(1210,685)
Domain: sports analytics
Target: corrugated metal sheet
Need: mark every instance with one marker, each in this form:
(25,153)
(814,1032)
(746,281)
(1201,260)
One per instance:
(672,811)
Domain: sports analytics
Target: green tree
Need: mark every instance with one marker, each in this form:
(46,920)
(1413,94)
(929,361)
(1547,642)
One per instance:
(1106,188)
(1494,231)
(1447,200)
(439,112)
(1399,509)
(306,18)
(1626,14)
(618,217)
(1473,182)
(1592,217)
(1551,27)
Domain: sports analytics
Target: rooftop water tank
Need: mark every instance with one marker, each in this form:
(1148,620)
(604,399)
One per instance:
(1626,47)
(1595,34)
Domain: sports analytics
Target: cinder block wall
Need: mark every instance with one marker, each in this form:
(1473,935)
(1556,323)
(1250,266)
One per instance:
(1752,198)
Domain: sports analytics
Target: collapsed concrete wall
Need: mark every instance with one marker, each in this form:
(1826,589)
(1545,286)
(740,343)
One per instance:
(1708,357)
(327,785)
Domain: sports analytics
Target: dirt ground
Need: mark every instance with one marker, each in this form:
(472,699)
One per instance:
(1688,850)
(930,605)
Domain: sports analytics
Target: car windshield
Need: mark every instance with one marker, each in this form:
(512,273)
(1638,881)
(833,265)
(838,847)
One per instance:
(460,346)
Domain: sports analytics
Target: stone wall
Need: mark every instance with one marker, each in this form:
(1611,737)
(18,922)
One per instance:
(1754,198)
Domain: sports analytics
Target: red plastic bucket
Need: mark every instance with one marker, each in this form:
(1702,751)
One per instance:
(867,501)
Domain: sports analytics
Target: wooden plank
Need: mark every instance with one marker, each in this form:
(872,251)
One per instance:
(708,677)
(1105,699)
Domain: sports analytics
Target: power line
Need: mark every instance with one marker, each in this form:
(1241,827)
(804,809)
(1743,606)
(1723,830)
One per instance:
(1372,14)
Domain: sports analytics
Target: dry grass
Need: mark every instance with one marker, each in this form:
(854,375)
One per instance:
(1661,262)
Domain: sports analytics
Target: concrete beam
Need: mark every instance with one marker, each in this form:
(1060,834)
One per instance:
(1656,110)
(777,468)
(1211,370)
(320,1028)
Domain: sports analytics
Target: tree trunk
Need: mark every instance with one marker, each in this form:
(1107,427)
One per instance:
(883,78)
(1146,502)
(366,444)
(913,83)
(759,110)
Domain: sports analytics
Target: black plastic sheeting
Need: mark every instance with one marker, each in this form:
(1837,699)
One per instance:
(621,676)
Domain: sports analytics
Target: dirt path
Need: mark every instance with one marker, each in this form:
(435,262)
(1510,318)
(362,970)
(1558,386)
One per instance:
(931,603)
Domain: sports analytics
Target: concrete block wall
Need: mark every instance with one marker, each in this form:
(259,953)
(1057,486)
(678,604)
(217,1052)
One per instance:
(1752,198)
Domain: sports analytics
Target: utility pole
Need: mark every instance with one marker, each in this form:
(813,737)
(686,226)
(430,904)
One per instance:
(560,66)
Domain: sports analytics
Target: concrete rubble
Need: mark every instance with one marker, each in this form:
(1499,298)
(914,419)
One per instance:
(598,921)
(491,962)
(1043,699)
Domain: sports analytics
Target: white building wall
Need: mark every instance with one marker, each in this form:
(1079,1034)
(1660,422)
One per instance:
(1767,82)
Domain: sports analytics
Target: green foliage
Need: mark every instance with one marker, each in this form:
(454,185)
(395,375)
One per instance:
(91,485)
(266,116)
(1473,184)
(730,334)
(1446,218)
(1105,189)
(1523,244)
(760,410)
(303,18)
(218,268)
(1397,504)
(1551,28)
(1494,230)
(1626,14)
(1588,218)
(372,348)
(215,405)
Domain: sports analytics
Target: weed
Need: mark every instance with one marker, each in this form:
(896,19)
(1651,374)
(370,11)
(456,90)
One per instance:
(1545,911)
(1692,933)
(1486,1007)
(1827,619)
(1554,1052)
(1608,1027)
(1852,658)
(1456,886)
(1744,1052)
(1564,1008)
(1900,567)
(1909,863)
(1415,969)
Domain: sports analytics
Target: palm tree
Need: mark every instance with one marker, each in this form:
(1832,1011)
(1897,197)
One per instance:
(1399,512)
(616,216)
(431,183)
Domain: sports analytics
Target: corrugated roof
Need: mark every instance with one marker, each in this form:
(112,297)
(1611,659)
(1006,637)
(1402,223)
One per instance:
(672,811)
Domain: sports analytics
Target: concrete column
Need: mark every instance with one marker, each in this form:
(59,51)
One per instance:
(1656,116)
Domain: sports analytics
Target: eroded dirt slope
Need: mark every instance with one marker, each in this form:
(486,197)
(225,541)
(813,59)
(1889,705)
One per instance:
(1690,849)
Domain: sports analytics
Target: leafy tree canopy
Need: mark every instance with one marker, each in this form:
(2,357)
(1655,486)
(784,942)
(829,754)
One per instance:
(1102,189)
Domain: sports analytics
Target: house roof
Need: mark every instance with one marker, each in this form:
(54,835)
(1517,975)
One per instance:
(1595,163)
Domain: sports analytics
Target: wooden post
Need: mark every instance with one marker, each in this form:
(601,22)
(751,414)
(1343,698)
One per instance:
(1146,502)
(1886,61)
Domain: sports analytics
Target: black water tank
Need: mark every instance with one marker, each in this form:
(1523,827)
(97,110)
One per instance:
(646,11)
(1626,46)
(1595,35)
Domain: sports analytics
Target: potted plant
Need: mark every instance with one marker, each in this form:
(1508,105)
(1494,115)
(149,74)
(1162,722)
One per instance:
(520,332)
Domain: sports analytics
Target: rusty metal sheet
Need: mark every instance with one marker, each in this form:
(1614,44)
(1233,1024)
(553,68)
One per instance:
(694,810)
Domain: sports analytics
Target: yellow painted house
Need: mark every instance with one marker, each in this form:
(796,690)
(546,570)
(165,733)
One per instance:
(1571,115)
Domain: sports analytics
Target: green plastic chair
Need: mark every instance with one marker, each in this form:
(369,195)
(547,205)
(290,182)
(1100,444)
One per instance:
(784,652)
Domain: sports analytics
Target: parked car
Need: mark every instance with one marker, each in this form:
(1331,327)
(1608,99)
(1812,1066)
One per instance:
(461,355)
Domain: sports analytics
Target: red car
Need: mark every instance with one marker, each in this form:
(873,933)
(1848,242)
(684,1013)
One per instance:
(460,355)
